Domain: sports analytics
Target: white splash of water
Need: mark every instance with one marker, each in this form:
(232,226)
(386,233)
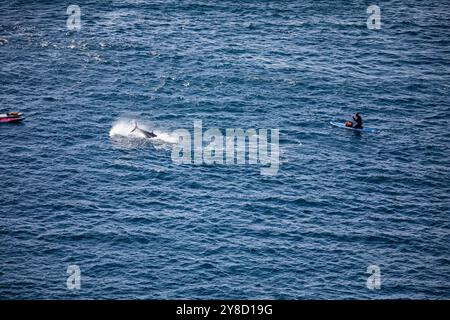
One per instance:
(124,128)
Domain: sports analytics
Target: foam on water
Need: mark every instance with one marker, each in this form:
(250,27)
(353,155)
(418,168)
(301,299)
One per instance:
(124,128)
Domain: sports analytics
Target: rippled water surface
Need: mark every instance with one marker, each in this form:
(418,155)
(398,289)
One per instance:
(140,226)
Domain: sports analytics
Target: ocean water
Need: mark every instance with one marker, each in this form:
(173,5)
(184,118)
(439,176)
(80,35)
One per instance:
(79,189)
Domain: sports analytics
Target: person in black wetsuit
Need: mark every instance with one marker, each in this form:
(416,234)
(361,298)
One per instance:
(358,121)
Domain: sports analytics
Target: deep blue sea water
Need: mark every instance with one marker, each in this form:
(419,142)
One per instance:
(142,227)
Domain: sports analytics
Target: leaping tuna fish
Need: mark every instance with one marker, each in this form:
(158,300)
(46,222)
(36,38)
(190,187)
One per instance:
(147,134)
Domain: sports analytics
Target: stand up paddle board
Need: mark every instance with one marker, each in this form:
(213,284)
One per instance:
(364,129)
